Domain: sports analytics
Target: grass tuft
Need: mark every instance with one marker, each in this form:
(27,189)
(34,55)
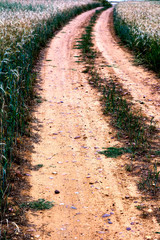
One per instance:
(40,204)
(151,181)
(113,152)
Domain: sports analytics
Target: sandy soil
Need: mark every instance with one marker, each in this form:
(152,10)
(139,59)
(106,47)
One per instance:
(72,129)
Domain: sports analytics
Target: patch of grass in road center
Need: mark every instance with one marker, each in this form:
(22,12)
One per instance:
(114,152)
(40,204)
(37,167)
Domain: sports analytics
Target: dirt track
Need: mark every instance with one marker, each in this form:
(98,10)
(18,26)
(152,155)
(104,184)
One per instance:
(73,130)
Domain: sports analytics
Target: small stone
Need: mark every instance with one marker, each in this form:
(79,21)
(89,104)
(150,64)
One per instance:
(56,192)
(27,174)
(109,222)
(51,177)
(91,183)
(63,229)
(150,210)
(31,230)
(127,197)
(77,137)
(72,207)
(78,213)
(10,209)
(132,223)
(128,228)
(54,173)
(106,215)
(148,237)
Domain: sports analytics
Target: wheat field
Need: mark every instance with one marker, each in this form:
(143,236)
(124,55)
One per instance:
(138,25)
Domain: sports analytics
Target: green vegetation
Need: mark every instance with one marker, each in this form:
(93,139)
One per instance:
(25,29)
(137,25)
(157,153)
(140,207)
(150,182)
(40,204)
(37,167)
(125,119)
(115,152)
(129,167)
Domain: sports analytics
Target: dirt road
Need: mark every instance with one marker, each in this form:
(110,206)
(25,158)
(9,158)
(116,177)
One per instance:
(72,131)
